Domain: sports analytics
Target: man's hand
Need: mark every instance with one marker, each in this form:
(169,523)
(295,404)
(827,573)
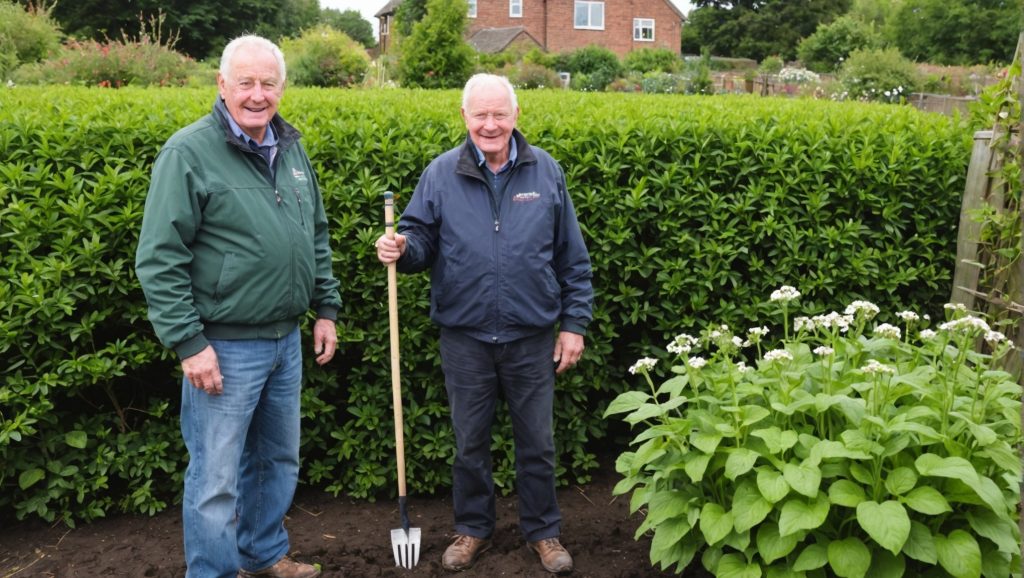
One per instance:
(325,340)
(568,350)
(389,250)
(203,371)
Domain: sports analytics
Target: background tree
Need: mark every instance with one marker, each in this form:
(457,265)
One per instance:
(203,27)
(757,28)
(26,36)
(957,32)
(831,44)
(435,55)
(410,12)
(352,23)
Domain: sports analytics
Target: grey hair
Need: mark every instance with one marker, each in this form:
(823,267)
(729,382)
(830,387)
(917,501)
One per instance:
(484,79)
(250,40)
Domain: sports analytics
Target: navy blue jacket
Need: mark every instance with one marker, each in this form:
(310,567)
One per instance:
(500,269)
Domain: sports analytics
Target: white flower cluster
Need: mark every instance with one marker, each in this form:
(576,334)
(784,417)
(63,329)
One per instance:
(823,351)
(926,334)
(643,365)
(833,320)
(743,367)
(968,324)
(995,338)
(874,366)
(778,355)
(683,343)
(888,331)
(697,362)
(790,75)
(758,332)
(785,294)
(908,316)
(864,309)
(802,323)
(955,307)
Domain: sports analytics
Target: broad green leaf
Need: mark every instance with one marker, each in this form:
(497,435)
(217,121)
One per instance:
(781,570)
(959,554)
(849,558)
(861,474)
(626,402)
(645,412)
(1000,531)
(887,523)
(665,504)
(749,508)
(921,544)
(927,500)
(715,522)
(771,546)
(752,414)
(846,493)
(648,452)
(812,557)
(826,449)
(670,531)
(705,442)
(735,566)
(983,434)
(29,477)
(990,493)
(739,462)
(777,440)
(953,467)
(1004,456)
(771,484)
(886,565)
(696,466)
(674,386)
(803,478)
(76,439)
(900,481)
(799,514)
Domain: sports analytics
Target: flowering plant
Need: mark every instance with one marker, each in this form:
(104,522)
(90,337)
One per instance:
(849,448)
(790,75)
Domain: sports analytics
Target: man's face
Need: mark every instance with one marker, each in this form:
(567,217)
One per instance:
(254,91)
(490,119)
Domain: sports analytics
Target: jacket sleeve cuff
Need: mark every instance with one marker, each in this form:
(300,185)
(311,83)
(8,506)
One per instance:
(327,312)
(191,346)
(573,325)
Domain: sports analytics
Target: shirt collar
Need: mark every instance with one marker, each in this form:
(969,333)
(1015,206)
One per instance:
(269,137)
(513,154)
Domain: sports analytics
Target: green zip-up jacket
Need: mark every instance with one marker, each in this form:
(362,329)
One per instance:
(229,249)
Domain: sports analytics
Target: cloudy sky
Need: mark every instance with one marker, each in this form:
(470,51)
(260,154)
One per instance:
(370,7)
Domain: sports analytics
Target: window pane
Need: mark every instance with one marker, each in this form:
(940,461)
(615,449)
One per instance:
(581,14)
(597,15)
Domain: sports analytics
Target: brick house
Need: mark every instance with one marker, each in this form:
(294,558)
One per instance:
(564,25)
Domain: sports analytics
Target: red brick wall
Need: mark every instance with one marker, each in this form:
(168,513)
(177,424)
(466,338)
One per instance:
(559,35)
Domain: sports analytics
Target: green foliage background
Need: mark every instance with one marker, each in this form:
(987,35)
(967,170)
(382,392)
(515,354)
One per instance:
(694,208)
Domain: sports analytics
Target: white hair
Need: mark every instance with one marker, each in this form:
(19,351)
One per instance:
(253,41)
(484,79)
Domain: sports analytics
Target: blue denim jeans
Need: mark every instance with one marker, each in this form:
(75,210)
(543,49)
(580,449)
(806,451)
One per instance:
(243,450)
(475,372)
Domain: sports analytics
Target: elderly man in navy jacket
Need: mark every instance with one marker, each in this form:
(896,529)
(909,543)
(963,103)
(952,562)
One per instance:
(511,291)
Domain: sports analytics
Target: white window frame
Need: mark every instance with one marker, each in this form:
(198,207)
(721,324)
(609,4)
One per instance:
(641,24)
(590,6)
(515,8)
(472,9)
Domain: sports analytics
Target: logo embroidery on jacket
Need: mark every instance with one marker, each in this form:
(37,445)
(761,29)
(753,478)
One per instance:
(299,175)
(525,197)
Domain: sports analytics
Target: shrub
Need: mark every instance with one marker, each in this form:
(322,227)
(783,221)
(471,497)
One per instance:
(848,448)
(27,35)
(436,54)
(323,56)
(790,75)
(651,59)
(832,43)
(593,68)
(878,75)
(532,76)
(114,63)
(664,83)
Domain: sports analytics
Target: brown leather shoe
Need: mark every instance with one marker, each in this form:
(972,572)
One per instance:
(284,568)
(462,552)
(553,556)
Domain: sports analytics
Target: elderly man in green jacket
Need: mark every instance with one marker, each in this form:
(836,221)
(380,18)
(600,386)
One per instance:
(233,253)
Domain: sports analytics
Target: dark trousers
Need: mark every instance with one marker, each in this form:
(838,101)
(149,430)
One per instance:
(474,374)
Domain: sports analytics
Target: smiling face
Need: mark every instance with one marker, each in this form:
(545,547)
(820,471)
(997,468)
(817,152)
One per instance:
(252,89)
(490,118)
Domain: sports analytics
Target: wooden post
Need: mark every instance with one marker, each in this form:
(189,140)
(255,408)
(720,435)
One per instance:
(965,276)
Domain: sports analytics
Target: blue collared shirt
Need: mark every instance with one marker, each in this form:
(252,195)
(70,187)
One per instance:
(269,140)
(496,178)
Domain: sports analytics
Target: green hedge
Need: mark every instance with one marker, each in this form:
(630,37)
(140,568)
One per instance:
(694,209)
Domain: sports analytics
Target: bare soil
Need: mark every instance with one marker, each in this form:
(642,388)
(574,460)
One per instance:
(347,538)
